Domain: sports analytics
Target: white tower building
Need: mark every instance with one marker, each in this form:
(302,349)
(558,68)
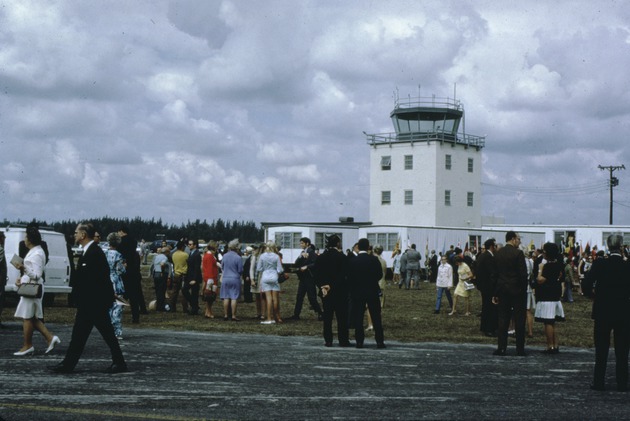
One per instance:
(427,173)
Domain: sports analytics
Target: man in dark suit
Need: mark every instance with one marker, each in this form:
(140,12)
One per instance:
(510,292)
(305,263)
(330,276)
(608,283)
(485,278)
(94,296)
(190,287)
(132,278)
(364,272)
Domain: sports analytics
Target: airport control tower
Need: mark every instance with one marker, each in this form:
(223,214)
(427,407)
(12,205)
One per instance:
(427,173)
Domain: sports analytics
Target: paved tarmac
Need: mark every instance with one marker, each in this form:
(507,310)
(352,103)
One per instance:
(188,375)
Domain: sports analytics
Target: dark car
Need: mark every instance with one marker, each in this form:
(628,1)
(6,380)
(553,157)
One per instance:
(158,243)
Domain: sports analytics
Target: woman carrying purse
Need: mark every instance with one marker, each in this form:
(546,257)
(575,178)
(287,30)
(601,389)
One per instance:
(31,309)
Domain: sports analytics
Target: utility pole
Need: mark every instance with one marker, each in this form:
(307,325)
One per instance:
(612,182)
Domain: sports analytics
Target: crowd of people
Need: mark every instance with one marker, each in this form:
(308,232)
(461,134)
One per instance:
(517,286)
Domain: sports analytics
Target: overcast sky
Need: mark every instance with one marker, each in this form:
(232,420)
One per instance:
(254,110)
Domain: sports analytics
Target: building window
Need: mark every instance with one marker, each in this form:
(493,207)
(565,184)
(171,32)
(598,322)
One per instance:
(321,237)
(408,197)
(386,198)
(387,240)
(447,198)
(409,162)
(470,198)
(447,162)
(386,163)
(474,241)
(288,240)
(471,165)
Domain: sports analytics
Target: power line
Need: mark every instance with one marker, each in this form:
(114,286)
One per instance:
(555,190)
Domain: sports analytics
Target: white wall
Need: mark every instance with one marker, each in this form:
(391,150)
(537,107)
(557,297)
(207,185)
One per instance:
(428,180)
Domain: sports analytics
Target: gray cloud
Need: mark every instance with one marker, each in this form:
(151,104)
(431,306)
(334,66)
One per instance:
(249,110)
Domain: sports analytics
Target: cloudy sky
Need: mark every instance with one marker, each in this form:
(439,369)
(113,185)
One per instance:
(252,110)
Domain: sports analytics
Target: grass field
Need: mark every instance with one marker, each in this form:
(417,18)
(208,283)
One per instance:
(407,317)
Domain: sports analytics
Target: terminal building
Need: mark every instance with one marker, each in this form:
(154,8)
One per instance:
(425,189)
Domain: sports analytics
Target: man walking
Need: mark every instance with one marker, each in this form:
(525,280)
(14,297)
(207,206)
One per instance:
(305,263)
(94,295)
(364,272)
(511,292)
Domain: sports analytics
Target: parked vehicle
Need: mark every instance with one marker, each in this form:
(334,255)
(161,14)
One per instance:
(158,243)
(57,271)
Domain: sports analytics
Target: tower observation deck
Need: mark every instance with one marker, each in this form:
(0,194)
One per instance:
(428,119)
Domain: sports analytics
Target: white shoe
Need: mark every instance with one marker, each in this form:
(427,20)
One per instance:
(31,350)
(54,341)
(268,322)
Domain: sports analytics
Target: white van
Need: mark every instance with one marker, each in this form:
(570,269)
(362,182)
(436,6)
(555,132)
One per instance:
(57,272)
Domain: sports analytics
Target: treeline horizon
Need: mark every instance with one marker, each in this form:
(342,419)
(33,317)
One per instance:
(152,229)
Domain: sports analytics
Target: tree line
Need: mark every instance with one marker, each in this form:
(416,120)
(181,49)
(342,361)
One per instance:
(150,230)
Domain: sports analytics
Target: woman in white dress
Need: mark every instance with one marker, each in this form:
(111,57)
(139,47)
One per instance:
(31,309)
(269,266)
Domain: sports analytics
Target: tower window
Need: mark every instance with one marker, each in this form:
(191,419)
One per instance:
(408,197)
(386,198)
(470,198)
(409,162)
(447,162)
(386,163)
(447,198)
(471,165)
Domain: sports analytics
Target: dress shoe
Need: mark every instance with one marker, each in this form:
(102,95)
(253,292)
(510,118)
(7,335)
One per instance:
(622,388)
(490,334)
(380,346)
(60,369)
(436,312)
(359,346)
(294,317)
(521,353)
(598,387)
(54,341)
(345,344)
(116,368)
(499,352)
(328,344)
(31,350)
(320,317)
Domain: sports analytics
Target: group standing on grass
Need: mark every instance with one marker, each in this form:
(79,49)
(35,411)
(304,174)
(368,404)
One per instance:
(348,284)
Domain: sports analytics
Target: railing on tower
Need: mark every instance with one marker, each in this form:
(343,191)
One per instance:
(437,134)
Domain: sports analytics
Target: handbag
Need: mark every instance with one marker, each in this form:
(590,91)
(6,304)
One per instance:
(282,276)
(468,286)
(30,290)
